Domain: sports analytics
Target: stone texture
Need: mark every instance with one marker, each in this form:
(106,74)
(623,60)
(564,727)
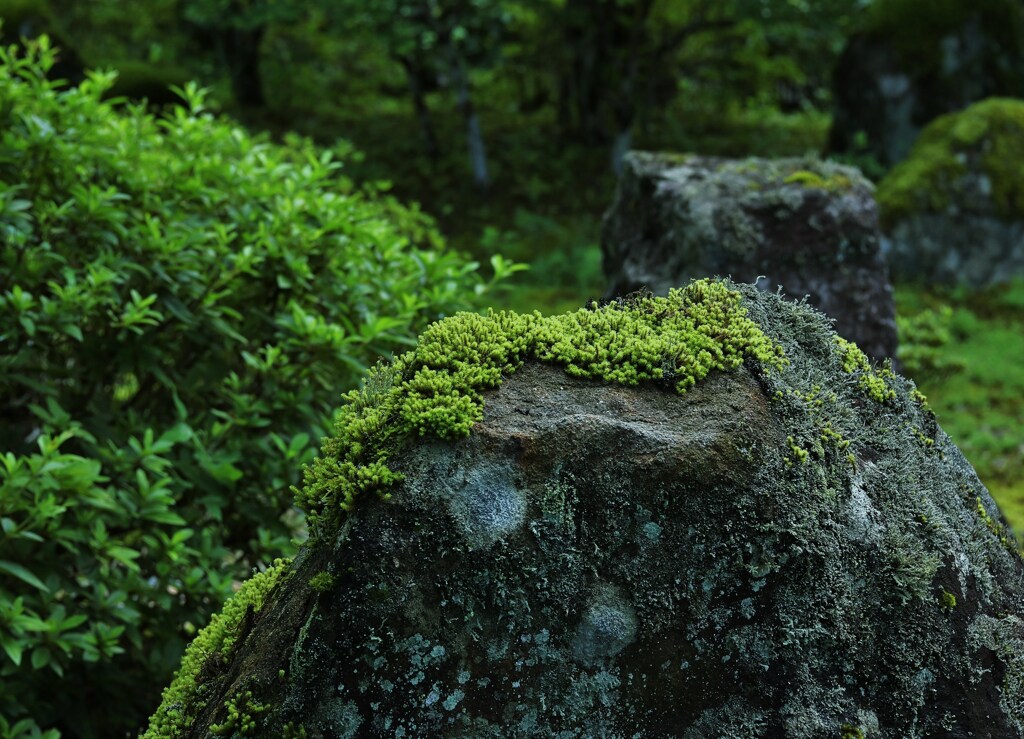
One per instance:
(614,561)
(914,61)
(956,248)
(810,227)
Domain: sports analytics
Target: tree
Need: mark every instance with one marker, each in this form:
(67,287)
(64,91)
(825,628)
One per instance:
(440,41)
(236,29)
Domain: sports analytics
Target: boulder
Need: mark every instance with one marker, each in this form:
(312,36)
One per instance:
(693,516)
(808,226)
(914,60)
(953,212)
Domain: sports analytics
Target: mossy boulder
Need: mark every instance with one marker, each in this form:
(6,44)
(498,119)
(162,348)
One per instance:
(913,60)
(700,515)
(954,210)
(807,225)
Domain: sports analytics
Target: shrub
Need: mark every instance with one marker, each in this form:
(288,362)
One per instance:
(181,305)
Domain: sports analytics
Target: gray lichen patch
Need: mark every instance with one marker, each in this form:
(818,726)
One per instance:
(608,626)
(487,506)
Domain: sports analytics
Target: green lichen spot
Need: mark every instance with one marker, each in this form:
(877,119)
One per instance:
(849,731)
(947,600)
(437,388)
(181,700)
(987,137)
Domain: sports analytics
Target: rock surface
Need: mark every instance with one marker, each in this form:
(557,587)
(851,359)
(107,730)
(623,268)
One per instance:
(810,227)
(916,59)
(795,551)
(953,212)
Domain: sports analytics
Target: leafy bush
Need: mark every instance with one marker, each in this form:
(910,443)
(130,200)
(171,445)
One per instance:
(181,305)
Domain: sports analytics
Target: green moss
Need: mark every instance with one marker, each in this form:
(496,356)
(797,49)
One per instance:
(947,600)
(988,136)
(242,716)
(436,389)
(831,183)
(849,731)
(182,700)
(872,382)
(321,581)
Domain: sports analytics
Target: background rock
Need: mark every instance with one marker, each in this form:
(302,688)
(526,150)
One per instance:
(798,552)
(915,60)
(953,212)
(810,227)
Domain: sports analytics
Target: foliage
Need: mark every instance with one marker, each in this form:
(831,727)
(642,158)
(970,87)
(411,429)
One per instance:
(437,387)
(987,137)
(181,304)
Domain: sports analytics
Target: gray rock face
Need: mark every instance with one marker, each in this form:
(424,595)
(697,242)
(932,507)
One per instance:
(771,554)
(956,248)
(912,63)
(810,227)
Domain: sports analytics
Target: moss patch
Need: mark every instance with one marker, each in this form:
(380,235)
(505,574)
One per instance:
(987,137)
(436,389)
(182,700)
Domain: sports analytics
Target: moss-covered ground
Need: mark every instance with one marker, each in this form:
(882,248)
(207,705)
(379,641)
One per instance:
(965,350)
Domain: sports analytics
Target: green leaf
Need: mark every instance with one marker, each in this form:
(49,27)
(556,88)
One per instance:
(12,568)
(13,648)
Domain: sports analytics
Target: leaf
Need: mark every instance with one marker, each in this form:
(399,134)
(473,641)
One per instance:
(168,517)
(13,648)
(22,574)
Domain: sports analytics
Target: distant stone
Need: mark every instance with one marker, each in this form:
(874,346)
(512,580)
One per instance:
(953,212)
(764,536)
(808,226)
(914,60)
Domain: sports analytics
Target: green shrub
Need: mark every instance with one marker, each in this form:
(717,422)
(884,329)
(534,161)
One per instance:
(181,305)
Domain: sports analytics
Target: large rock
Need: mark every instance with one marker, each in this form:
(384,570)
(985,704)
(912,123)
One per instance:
(953,212)
(914,60)
(808,226)
(788,550)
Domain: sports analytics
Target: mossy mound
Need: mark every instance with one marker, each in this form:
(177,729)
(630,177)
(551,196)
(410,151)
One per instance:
(972,159)
(700,515)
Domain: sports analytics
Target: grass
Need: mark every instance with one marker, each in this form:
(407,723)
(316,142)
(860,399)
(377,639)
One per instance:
(967,355)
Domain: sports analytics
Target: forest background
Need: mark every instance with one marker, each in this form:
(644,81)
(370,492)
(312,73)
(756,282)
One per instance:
(192,282)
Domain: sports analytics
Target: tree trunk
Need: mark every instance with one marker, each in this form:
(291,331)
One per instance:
(419,102)
(474,135)
(241,51)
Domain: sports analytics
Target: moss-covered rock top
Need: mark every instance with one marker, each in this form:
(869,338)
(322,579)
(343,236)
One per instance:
(971,159)
(436,389)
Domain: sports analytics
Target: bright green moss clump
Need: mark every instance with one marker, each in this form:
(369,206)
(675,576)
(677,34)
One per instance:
(854,361)
(437,388)
(182,700)
(987,137)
